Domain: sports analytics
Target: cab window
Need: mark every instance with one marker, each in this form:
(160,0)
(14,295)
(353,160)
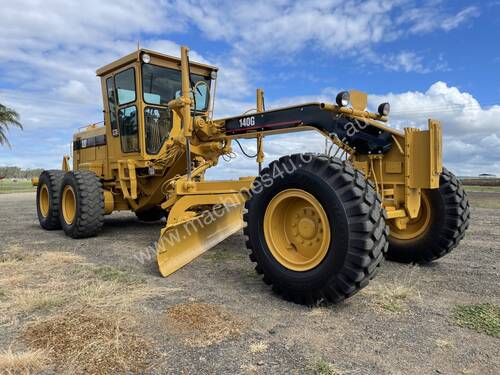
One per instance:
(110,88)
(160,85)
(158,125)
(127,117)
(125,86)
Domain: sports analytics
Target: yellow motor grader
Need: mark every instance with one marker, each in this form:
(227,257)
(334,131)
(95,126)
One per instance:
(316,225)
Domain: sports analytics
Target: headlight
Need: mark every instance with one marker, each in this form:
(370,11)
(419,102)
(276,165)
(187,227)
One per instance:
(146,58)
(213,74)
(384,109)
(343,99)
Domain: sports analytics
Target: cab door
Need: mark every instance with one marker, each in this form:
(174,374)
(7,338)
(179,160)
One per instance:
(122,120)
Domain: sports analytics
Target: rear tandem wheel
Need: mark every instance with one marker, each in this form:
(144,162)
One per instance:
(47,199)
(441,224)
(81,210)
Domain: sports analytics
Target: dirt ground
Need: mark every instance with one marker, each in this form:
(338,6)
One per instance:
(99,305)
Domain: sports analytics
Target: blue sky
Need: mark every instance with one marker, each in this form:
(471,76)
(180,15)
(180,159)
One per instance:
(431,58)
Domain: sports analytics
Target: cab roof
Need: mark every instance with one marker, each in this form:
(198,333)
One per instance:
(156,58)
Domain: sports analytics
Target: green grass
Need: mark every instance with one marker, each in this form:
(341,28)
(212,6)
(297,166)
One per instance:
(483,318)
(322,367)
(222,255)
(20,186)
(109,273)
(484,189)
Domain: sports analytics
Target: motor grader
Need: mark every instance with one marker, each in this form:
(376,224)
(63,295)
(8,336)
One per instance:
(316,225)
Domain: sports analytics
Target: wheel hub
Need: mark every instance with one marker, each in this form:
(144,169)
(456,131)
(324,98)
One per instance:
(415,227)
(68,204)
(44,200)
(307,228)
(297,230)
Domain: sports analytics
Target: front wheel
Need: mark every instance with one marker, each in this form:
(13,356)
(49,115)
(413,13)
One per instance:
(315,228)
(441,224)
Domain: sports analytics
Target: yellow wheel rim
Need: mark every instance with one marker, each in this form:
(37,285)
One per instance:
(415,227)
(68,204)
(297,230)
(43,201)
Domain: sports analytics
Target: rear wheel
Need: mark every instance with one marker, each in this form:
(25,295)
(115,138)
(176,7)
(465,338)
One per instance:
(47,199)
(315,228)
(81,210)
(439,227)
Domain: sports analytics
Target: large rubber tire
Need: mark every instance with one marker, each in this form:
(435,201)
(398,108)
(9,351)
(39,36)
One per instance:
(449,220)
(153,214)
(357,222)
(49,184)
(89,207)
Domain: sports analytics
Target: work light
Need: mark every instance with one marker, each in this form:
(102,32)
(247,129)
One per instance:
(343,99)
(384,109)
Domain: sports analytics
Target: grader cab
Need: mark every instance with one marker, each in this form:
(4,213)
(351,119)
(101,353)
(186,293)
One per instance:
(317,225)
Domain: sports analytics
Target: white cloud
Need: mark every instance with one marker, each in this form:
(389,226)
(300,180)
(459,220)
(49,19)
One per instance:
(431,16)
(50,51)
(406,61)
(263,28)
(471,132)
(75,90)
(287,26)
(452,22)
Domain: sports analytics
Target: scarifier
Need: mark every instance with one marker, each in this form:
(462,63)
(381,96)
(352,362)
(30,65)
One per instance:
(317,225)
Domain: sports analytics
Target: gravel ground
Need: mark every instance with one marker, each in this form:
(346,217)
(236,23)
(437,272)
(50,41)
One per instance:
(400,324)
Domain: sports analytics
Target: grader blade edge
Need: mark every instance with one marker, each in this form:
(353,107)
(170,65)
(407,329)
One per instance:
(181,244)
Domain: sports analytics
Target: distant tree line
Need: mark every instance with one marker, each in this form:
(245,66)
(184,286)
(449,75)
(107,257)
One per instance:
(16,172)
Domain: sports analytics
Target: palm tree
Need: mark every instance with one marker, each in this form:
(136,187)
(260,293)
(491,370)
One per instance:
(8,117)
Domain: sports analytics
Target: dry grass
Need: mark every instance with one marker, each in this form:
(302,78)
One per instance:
(25,362)
(12,256)
(395,295)
(444,344)
(74,304)
(485,200)
(30,300)
(65,280)
(91,341)
(258,347)
(13,280)
(201,324)
(55,258)
(318,312)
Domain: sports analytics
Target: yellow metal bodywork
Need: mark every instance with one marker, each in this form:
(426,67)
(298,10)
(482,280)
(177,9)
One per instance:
(297,230)
(197,222)
(173,179)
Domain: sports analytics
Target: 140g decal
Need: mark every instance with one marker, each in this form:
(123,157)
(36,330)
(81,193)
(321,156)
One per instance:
(247,121)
